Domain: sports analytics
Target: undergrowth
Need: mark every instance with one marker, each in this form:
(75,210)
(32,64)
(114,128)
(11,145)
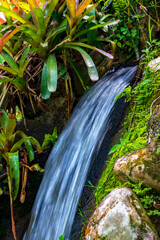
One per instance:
(135,137)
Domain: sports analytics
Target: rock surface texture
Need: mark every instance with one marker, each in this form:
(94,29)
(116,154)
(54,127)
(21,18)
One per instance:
(143,164)
(140,165)
(120,216)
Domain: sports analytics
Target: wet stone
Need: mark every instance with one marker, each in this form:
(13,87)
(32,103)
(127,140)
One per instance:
(120,216)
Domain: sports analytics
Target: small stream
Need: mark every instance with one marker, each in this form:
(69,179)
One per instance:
(70,160)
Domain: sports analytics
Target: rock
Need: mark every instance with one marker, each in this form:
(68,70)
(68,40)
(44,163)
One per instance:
(120,216)
(140,165)
(154,65)
(143,164)
(153,127)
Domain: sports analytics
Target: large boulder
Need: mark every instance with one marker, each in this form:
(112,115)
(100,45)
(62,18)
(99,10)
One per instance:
(143,164)
(120,216)
(140,165)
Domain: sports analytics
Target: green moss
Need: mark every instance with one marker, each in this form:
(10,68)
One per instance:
(136,122)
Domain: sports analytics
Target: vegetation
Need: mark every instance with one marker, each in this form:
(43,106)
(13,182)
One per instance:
(41,43)
(135,136)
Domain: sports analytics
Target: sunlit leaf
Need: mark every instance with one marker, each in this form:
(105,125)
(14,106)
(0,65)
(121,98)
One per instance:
(37,168)
(9,59)
(52,73)
(92,71)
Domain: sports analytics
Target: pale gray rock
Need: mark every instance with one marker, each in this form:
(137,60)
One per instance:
(140,165)
(120,216)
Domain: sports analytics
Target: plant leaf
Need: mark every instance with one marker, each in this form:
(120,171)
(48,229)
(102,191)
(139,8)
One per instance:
(3,120)
(91,47)
(45,93)
(36,144)
(52,73)
(41,24)
(92,71)
(78,72)
(14,173)
(29,149)
(114,148)
(9,59)
(51,8)
(24,56)
(82,7)
(37,168)
(13,14)
(10,127)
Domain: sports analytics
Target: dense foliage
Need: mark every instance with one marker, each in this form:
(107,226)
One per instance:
(40,42)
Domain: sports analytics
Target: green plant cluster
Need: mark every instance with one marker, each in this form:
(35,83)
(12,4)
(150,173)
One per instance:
(120,6)
(53,31)
(135,137)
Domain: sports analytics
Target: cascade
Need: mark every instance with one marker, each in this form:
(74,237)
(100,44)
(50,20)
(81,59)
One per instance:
(67,167)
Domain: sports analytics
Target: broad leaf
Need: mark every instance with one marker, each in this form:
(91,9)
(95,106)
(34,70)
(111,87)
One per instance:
(52,73)
(92,71)
(45,93)
(29,149)
(10,127)
(9,59)
(14,173)
(41,24)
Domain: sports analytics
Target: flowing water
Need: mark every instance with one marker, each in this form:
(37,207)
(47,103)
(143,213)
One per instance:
(67,167)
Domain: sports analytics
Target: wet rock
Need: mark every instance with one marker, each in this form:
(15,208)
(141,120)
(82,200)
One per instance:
(143,164)
(154,65)
(140,165)
(120,216)
(153,128)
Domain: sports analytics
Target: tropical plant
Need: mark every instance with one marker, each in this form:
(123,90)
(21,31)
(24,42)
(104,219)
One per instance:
(52,36)
(16,157)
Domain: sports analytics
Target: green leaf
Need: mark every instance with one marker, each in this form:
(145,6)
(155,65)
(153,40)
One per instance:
(13,14)
(37,168)
(45,93)
(92,71)
(61,237)
(24,56)
(17,145)
(10,127)
(3,120)
(29,149)
(114,148)
(52,73)
(41,25)
(20,83)
(9,59)
(61,71)
(78,72)
(91,47)
(10,70)
(95,27)
(36,144)
(51,8)
(50,139)
(14,173)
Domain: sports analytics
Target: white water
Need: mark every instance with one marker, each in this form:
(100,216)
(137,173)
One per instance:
(67,167)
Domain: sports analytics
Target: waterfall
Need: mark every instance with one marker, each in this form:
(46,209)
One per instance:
(67,167)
